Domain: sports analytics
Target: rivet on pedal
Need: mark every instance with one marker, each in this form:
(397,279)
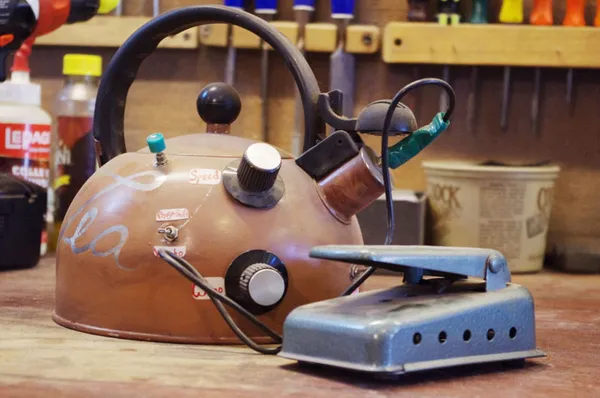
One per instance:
(495,264)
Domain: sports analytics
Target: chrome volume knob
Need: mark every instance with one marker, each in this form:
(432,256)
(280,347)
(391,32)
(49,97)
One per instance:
(257,280)
(262,285)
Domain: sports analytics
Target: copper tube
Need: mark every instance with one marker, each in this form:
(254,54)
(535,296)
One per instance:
(353,186)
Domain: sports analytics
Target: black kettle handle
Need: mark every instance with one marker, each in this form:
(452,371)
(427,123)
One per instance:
(121,72)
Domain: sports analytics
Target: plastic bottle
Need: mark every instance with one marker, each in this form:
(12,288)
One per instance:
(73,152)
(25,126)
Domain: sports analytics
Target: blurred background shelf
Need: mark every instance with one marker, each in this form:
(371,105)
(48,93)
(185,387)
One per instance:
(493,44)
(163,98)
(111,31)
(319,37)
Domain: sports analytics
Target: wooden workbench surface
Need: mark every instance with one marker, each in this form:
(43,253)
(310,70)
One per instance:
(39,358)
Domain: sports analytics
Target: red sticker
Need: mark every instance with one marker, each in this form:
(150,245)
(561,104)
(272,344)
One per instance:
(172,214)
(176,250)
(217,283)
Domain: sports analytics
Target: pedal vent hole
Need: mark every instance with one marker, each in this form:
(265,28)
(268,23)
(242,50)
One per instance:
(467,335)
(442,337)
(417,338)
(490,334)
(512,333)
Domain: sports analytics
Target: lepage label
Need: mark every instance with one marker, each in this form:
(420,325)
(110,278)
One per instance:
(172,214)
(25,151)
(25,141)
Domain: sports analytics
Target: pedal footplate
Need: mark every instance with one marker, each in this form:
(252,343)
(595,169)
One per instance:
(417,325)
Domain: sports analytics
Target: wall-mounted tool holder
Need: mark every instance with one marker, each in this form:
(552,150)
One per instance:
(319,37)
(112,31)
(472,44)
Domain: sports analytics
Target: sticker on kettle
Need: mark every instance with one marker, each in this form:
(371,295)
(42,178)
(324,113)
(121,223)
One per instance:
(176,250)
(204,176)
(217,283)
(172,214)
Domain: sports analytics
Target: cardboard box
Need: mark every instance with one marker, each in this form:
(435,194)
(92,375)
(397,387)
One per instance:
(409,213)
(410,210)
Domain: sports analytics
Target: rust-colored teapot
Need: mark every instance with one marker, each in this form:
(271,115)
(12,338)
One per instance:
(243,212)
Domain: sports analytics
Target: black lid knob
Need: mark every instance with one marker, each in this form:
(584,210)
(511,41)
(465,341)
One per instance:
(218,103)
(370,119)
(262,285)
(259,167)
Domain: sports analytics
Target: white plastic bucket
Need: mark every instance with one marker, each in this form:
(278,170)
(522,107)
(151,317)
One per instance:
(497,207)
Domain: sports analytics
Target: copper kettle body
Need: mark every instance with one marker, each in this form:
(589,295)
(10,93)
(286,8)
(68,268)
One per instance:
(244,213)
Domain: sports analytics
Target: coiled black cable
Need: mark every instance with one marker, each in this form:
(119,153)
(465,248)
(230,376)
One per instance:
(188,271)
(385,169)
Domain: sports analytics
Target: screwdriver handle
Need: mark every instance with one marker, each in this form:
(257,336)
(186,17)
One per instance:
(574,15)
(541,14)
(235,4)
(342,9)
(480,10)
(265,6)
(511,11)
(417,10)
(597,18)
(307,5)
(448,12)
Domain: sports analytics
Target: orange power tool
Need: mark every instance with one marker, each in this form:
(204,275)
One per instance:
(24,20)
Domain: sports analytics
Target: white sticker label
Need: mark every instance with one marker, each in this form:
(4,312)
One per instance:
(172,214)
(217,283)
(177,250)
(204,176)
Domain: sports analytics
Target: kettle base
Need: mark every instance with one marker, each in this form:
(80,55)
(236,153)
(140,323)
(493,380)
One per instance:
(152,337)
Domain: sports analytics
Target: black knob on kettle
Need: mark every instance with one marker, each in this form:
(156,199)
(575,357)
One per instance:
(257,280)
(254,179)
(259,167)
(218,104)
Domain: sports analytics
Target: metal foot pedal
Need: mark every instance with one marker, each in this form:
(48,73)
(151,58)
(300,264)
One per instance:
(437,318)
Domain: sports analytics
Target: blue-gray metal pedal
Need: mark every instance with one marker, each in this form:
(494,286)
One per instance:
(437,318)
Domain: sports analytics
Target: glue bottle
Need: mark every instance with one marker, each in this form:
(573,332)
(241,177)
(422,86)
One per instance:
(73,153)
(25,127)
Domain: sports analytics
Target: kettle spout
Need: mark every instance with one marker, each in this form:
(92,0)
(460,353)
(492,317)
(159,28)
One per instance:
(352,186)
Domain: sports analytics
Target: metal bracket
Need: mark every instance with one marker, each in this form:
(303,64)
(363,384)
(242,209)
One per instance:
(487,264)
(328,155)
(328,104)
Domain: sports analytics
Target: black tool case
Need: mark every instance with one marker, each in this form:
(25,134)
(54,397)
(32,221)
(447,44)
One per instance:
(22,209)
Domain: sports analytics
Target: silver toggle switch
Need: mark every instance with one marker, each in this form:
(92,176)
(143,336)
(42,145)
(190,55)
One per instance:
(170,233)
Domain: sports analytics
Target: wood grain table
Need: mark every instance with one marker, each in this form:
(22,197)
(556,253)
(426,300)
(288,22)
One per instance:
(39,358)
